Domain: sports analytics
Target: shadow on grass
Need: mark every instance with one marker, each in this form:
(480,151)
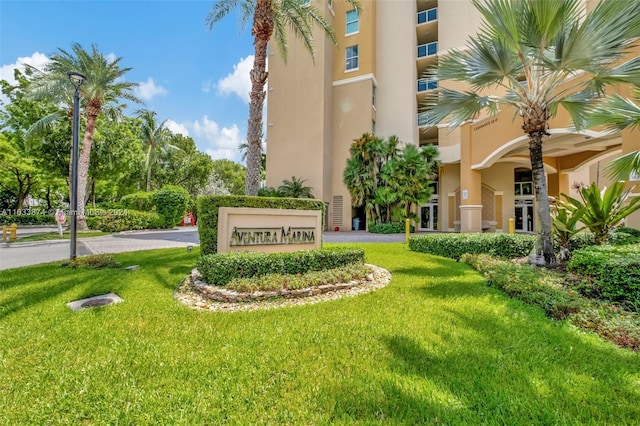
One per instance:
(490,370)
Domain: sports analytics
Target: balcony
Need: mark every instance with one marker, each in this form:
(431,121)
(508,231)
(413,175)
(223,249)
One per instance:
(425,84)
(428,49)
(427,16)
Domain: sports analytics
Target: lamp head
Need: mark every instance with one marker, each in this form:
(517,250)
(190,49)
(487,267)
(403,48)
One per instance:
(76,78)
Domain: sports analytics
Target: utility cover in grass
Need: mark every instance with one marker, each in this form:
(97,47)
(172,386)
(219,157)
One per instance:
(95,301)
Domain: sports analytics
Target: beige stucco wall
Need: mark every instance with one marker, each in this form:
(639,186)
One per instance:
(457,19)
(396,71)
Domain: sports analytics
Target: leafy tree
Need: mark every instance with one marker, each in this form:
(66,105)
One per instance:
(183,165)
(617,113)
(214,186)
(101,92)
(232,175)
(565,219)
(295,188)
(271,18)
(602,210)
(528,55)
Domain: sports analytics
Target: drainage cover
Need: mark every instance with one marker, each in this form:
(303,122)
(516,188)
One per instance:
(95,301)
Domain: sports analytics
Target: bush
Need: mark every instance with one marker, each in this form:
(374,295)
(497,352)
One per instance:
(453,246)
(27,219)
(389,228)
(220,269)
(624,235)
(527,283)
(171,204)
(129,220)
(140,201)
(615,270)
(581,240)
(208,213)
(95,261)
(271,282)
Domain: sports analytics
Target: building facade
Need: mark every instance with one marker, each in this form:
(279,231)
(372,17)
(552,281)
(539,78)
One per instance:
(372,82)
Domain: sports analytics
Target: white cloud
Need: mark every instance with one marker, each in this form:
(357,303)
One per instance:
(223,141)
(238,81)
(37,60)
(148,89)
(206,86)
(176,128)
(111,57)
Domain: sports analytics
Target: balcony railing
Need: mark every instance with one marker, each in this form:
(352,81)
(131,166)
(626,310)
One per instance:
(427,84)
(427,49)
(427,15)
(422,119)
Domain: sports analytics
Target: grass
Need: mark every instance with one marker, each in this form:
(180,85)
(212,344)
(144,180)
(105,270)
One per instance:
(56,236)
(436,346)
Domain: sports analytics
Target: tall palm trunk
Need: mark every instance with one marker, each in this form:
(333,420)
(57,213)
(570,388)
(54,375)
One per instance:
(148,178)
(83,163)
(262,30)
(544,244)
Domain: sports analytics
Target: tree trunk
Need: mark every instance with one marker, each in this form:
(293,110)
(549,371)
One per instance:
(83,167)
(262,30)
(544,244)
(148,177)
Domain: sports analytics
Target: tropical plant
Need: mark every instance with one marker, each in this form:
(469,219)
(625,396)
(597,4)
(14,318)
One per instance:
(617,113)
(565,221)
(604,209)
(537,56)
(295,188)
(155,140)
(102,91)
(271,18)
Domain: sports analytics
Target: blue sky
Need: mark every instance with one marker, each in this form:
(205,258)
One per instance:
(196,78)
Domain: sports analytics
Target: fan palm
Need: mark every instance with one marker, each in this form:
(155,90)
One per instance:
(539,55)
(270,18)
(155,140)
(616,114)
(101,92)
(295,188)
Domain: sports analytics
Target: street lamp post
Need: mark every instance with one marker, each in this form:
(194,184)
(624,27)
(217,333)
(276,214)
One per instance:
(76,79)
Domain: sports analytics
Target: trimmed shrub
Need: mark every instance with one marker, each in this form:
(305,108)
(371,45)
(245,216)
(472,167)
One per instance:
(527,283)
(220,269)
(208,213)
(129,220)
(94,261)
(389,228)
(140,201)
(581,240)
(453,246)
(615,270)
(27,219)
(171,204)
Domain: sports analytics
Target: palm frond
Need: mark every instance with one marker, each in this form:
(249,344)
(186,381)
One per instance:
(616,113)
(459,107)
(220,9)
(623,167)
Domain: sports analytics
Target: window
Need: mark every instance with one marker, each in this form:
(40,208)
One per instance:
(523,182)
(352,22)
(352,58)
(330,4)
(373,126)
(373,96)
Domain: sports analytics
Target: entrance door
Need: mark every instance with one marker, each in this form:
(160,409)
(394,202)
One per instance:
(429,217)
(524,215)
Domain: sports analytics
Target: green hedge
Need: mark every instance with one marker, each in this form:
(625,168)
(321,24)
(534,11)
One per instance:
(102,220)
(27,219)
(208,213)
(615,270)
(389,228)
(140,201)
(526,283)
(220,269)
(171,204)
(453,246)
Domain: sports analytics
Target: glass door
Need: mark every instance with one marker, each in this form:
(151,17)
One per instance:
(429,217)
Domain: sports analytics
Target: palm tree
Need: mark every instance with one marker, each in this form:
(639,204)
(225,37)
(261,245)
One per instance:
(295,188)
(155,140)
(270,18)
(539,55)
(101,92)
(617,113)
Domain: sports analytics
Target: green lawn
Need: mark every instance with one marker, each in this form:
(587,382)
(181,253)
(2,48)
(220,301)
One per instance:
(436,346)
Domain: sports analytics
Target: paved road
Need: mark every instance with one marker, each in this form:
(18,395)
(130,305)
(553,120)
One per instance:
(23,254)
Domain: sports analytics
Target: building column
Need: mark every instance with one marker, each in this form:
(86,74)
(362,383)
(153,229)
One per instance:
(470,186)
(498,195)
